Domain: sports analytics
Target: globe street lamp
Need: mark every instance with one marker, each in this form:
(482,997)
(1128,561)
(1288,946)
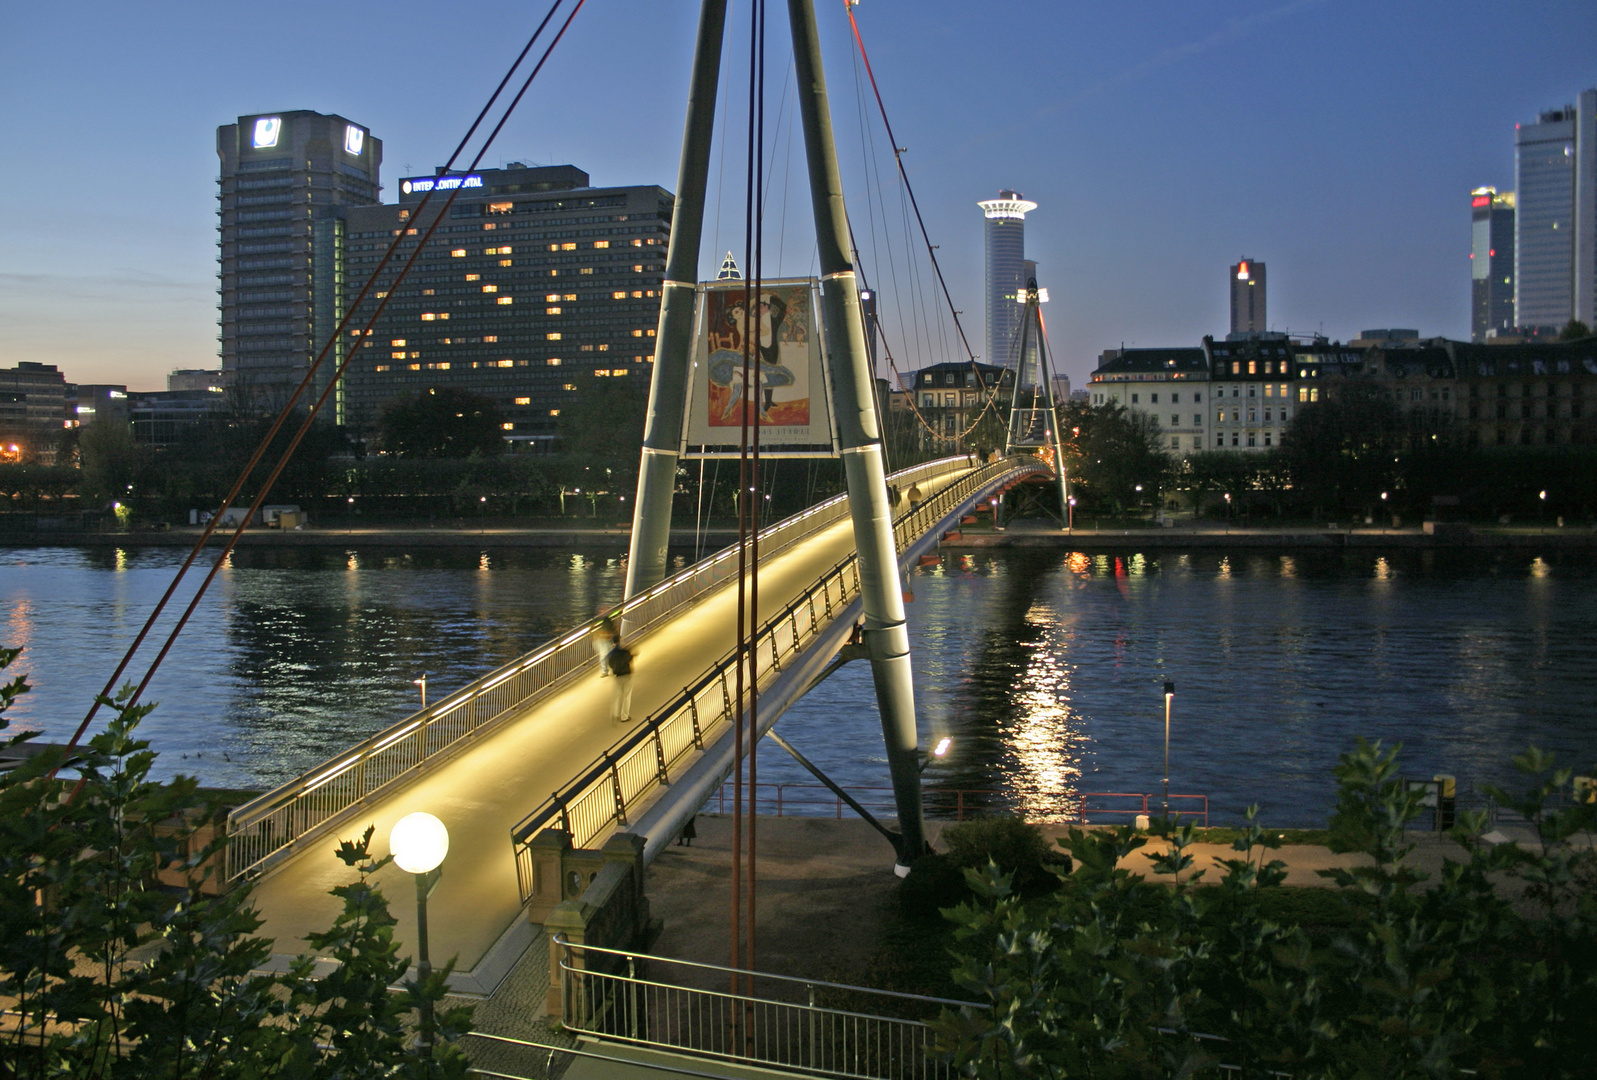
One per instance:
(419,843)
(1169,692)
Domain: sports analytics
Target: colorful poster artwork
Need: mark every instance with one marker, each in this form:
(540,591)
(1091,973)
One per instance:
(778,382)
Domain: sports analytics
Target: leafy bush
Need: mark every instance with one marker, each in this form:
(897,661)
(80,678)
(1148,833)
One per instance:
(1388,975)
(109,974)
(1013,843)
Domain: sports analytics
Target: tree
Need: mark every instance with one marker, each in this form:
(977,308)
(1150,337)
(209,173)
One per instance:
(1574,330)
(604,420)
(112,463)
(445,422)
(1340,450)
(1109,451)
(1389,974)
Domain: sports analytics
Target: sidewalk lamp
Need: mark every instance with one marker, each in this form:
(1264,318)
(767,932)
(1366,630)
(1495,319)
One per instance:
(1169,692)
(422,682)
(1072,525)
(939,752)
(419,843)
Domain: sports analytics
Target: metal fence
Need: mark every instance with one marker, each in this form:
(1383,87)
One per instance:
(773,1020)
(958,804)
(605,793)
(273,825)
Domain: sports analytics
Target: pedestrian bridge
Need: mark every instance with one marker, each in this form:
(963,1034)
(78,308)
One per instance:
(531,745)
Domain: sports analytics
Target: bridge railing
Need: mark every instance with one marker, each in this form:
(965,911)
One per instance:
(605,793)
(273,825)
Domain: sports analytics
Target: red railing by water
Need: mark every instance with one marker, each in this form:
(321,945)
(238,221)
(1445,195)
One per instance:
(959,804)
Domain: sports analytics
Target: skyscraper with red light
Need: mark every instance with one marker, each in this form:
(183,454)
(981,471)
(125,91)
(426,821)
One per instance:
(1247,300)
(1491,263)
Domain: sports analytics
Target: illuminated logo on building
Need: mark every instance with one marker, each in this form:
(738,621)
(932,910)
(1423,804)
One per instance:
(1481,200)
(1242,271)
(354,139)
(442,183)
(267,129)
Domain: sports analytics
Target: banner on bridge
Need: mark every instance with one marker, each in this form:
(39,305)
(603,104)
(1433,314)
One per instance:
(788,394)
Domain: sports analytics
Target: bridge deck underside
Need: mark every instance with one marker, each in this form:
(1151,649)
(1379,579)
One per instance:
(483,791)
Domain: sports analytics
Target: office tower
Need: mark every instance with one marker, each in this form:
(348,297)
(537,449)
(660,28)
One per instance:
(1247,300)
(532,287)
(1555,224)
(286,180)
(1006,268)
(1491,267)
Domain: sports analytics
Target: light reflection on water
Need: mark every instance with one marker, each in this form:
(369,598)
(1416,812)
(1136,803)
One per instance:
(1046,667)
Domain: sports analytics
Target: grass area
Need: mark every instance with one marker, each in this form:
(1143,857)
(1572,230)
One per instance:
(1219,835)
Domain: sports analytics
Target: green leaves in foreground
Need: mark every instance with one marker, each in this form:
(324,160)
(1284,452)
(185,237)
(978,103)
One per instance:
(1491,967)
(120,956)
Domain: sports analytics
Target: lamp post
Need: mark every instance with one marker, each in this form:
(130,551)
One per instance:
(1169,692)
(419,843)
(422,682)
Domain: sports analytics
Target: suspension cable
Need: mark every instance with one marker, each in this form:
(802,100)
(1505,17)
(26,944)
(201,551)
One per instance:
(308,379)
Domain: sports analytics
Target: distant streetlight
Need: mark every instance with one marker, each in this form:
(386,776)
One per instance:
(938,752)
(1169,692)
(422,682)
(1072,525)
(419,843)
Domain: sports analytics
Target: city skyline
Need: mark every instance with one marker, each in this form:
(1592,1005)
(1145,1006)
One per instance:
(1127,138)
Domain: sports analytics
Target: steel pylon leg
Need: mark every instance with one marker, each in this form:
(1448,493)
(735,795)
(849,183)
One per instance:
(859,430)
(673,355)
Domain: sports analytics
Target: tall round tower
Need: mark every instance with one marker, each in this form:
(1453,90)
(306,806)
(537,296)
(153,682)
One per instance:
(1006,271)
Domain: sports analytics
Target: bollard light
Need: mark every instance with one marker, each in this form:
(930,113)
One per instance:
(1169,693)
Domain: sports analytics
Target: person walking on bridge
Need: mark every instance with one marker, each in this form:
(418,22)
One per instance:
(604,638)
(619,662)
(915,496)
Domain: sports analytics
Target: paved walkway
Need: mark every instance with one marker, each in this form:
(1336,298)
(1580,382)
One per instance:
(488,788)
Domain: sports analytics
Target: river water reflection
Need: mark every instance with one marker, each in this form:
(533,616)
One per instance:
(1046,667)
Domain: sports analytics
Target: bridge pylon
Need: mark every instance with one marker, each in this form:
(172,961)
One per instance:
(853,388)
(1033,412)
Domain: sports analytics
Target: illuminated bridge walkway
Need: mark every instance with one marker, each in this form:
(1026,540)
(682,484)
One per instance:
(486,759)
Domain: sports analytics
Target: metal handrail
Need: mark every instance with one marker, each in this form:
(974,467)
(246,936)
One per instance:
(268,827)
(604,794)
(1075,804)
(621,1005)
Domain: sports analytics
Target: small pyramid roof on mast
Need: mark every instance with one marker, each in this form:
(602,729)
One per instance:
(729,269)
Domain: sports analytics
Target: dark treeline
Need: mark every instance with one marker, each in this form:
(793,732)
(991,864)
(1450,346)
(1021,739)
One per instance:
(1353,456)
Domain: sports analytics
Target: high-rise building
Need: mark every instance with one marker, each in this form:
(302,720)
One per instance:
(1555,224)
(1491,266)
(1247,300)
(286,180)
(532,286)
(1006,272)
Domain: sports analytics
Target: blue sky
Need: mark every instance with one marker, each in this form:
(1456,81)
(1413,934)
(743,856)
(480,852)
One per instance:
(1335,141)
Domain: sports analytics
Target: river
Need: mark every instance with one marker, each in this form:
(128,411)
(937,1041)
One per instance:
(1045,667)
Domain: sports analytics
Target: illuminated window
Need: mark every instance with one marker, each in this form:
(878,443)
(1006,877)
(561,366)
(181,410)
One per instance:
(507,427)
(506,262)
(622,295)
(638,269)
(637,294)
(1236,367)
(490,288)
(413,367)
(397,342)
(410,232)
(489,339)
(429,292)
(1269,390)
(637,243)
(571,296)
(489,227)
(504,301)
(587,348)
(586,270)
(473,277)
(637,333)
(428,316)
(458,253)
(552,337)
(365,344)
(503,363)
(554,247)
(604,348)
(553,361)
(601,243)
(553,298)
(1253,367)
(415,356)
(554,412)
(400,355)
(438,367)
(569,386)
(382,367)
(551,311)
(404,215)
(568,247)
(523,401)
(500,207)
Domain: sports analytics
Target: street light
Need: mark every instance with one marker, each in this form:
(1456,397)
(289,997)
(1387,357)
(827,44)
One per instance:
(1169,692)
(938,752)
(419,843)
(422,682)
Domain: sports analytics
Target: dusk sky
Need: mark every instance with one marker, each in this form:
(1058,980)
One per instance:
(1335,142)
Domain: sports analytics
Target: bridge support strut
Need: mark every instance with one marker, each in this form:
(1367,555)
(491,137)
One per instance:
(673,356)
(859,431)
